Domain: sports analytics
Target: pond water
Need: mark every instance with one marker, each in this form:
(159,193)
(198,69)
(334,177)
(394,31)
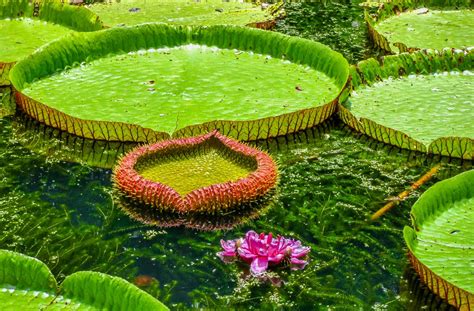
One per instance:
(331,181)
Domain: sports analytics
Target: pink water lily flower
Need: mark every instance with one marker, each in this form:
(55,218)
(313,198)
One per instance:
(262,250)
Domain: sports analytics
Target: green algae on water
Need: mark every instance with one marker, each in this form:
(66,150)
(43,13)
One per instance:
(425,107)
(20,37)
(435,29)
(168,89)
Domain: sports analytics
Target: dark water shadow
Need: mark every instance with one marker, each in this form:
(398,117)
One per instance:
(418,296)
(63,146)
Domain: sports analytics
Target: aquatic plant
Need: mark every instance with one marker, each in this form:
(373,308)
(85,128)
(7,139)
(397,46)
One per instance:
(220,175)
(392,101)
(337,24)
(407,25)
(440,244)
(275,120)
(27,282)
(263,250)
(184,12)
(22,31)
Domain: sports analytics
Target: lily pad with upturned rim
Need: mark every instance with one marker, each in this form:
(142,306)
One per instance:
(180,12)
(412,25)
(419,101)
(243,177)
(441,245)
(297,89)
(27,284)
(25,26)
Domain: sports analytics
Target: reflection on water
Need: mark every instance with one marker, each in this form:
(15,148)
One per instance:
(419,297)
(220,220)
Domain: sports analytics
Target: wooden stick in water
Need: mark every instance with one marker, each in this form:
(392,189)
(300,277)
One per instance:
(406,193)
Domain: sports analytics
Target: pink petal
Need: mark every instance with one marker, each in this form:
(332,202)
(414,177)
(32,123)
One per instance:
(226,258)
(269,238)
(259,265)
(245,254)
(300,252)
(228,245)
(276,259)
(251,233)
(298,264)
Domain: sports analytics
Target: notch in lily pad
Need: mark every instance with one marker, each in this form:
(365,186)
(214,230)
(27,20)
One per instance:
(27,284)
(210,173)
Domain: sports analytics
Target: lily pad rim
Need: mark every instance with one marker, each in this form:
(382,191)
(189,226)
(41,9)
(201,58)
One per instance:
(339,73)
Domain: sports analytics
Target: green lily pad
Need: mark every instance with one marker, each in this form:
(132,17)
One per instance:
(425,107)
(421,101)
(205,174)
(410,25)
(434,30)
(150,81)
(180,12)
(169,89)
(442,244)
(25,26)
(26,283)
(196,169)
(21,37)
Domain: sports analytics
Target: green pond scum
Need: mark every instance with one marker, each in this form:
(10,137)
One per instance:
(58,204)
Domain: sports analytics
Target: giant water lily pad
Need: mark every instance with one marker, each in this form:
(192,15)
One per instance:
(27,284)
(204,174)
(147,82)
(25,26)
(435,29)
(441,245)
(408,25)
(421,101)
(180,12)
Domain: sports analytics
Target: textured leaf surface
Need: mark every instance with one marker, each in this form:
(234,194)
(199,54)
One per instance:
(105,292)
(174,88)
(418,101)
(23,272)
(27,284)
(255,123)
(443,218)
(39,23)
(21,37)
(425,107)
(450,235)
(435,29)
(24,282)
(182,12)
(195,169)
